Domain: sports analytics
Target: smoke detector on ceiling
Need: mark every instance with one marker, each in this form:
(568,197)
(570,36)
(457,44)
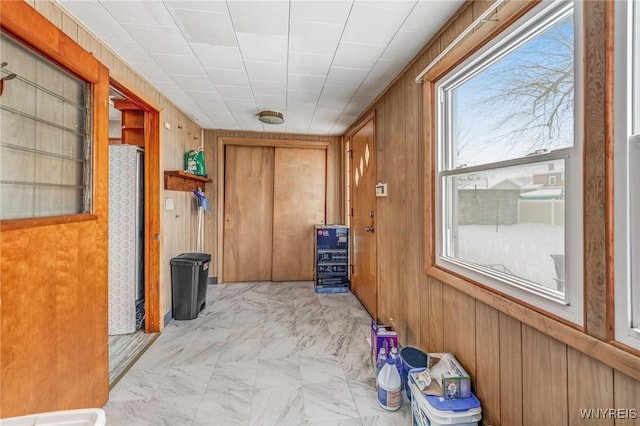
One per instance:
(271,117)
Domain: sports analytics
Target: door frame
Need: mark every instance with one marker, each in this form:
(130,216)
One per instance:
(153,316)
(348,191)
(276,143)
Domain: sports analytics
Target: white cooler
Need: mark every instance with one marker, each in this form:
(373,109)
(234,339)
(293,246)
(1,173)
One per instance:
(430,410)
(82,417)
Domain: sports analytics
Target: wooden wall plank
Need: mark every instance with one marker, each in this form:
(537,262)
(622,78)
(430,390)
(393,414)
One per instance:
(432,316)
(488,362)
(459,330)
(511,380)
(544,379)
(627,397)
(590,387)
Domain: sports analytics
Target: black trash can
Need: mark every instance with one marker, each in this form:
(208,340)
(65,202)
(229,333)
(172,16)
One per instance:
(189,272)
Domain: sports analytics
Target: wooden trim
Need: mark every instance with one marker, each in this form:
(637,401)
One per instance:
(371,115)
(152,178)
(429,196)
(276,143)
(606,352)
(598,141)
(47,40)
(11,224)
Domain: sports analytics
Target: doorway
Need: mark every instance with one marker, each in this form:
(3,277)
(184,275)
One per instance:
(133,228)
(362,178)
(271,194)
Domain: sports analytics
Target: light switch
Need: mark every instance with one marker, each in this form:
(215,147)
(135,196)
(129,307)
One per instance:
(167,125)
(381,189)
(168,204)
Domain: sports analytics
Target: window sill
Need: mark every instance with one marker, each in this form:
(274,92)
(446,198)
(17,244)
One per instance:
(13,224)
(611,353)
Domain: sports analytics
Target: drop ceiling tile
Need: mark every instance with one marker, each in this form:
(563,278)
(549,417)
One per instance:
(191,84)
(220,57)
(338,93)
(278,103)
(263,48)
(235,92)
(356,55)
(404,46)
(266,71)
(309,64)
(310,37)
(203,6)
(129,50)
(346,76)
(205,27)
(301,110)
(172,41)
(152,72)
(266,17)
(208,96)
(325,117)
(228,77)
(214,107)
(179,64)
(94,16)
(329,12)
(428,16)
(269,88)
(306,83)
(372,25)
(302,97)
(139,12)
(332,103)
(405,5)
(385,71)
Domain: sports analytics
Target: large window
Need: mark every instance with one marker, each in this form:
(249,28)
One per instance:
(627,173)
(509,186)
(44,138)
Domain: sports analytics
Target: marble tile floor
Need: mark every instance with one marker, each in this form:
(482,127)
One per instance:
(259,354)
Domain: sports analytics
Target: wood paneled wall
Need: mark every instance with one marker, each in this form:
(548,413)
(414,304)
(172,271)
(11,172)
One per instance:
(527,369)
(177,227)
(335,178)
(53,327)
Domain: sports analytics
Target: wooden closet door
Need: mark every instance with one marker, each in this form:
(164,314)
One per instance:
(248,213)
(298,204)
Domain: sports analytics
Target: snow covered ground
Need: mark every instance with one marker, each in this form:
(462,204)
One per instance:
(523,248)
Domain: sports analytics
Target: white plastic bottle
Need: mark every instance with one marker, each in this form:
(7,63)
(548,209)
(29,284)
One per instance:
(389,387)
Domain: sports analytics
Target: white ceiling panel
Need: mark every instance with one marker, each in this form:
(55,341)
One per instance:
(219,57)
(235,92)
(261,17)
(263,48)
(96,18)
(173,43)
(129,50)
(266,71)
(228,77)
(269,88)
(328,12)
(373,25)
(179,64)
(139,12)
(199,5)
(312,37)
(320,62)
(346,76)
(205,27)
(309,64)
(277,103)
(356,55)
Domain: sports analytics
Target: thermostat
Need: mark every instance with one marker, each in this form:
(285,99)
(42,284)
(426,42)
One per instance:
(381,189)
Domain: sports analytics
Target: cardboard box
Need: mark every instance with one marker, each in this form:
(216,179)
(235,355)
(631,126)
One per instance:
(453,380)
(382,336)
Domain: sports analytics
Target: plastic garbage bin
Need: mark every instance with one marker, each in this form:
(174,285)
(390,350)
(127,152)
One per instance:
(411,358)
(189,284)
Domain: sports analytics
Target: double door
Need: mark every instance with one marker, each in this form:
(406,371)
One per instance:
(273,197)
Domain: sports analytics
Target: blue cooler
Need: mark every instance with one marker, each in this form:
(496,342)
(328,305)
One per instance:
(429,410)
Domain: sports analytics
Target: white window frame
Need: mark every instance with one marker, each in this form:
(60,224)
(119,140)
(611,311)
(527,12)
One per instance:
(569,306)
(627,170)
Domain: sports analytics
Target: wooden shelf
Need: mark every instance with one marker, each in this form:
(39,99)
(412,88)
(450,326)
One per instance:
(181,181)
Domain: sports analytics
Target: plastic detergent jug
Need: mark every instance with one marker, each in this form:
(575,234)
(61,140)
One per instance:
(389,387)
